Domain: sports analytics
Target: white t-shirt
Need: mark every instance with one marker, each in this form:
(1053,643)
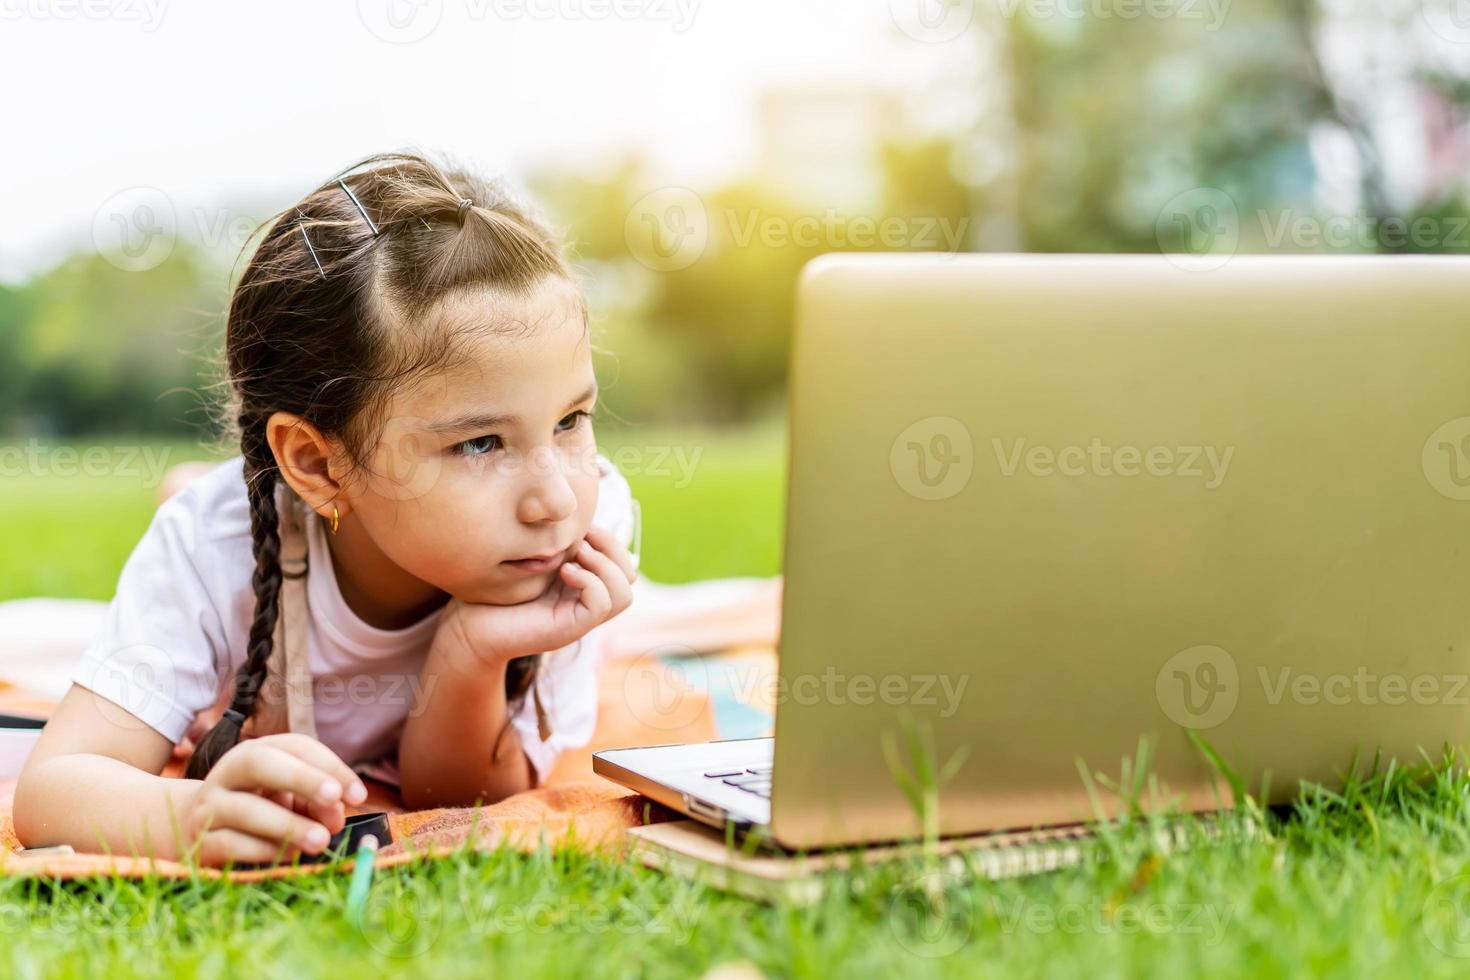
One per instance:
(176,633)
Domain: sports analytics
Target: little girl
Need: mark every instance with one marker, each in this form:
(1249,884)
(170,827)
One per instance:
(412,382)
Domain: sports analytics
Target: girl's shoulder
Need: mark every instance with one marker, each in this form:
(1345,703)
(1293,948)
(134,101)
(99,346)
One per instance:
(213,508)
(203,533)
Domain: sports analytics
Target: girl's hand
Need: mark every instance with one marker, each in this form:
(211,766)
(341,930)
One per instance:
(587,592)
(268,798)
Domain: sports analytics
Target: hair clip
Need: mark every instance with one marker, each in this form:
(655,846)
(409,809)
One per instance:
(301,224)
(464,205)
(361,210)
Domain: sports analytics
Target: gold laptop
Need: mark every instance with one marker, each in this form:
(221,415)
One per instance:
(1042,507)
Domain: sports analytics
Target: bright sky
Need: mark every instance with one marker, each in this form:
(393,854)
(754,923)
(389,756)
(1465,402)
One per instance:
(214,101)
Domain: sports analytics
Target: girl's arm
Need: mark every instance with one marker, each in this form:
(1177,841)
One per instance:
(92,782)
(461,705)
(458,746)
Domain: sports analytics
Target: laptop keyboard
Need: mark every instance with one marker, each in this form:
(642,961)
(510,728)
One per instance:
(756,779)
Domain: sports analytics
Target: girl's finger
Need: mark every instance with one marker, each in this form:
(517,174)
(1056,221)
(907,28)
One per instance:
(594,597)
(603,540)
(259,817)
(332,816)
(309,750)
(264,764)
(232,846)
(619,589)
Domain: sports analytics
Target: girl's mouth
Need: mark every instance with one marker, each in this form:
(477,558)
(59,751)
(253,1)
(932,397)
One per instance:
(536,565)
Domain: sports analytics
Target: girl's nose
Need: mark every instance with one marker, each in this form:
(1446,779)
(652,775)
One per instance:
(548,497)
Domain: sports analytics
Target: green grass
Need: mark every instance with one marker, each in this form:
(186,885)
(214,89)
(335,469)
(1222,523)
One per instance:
(1374,880)
(69,521)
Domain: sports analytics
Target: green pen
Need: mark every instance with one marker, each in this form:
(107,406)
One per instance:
(362,878)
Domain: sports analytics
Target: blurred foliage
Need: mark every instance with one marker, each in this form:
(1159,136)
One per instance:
(1086,127)
(90,347)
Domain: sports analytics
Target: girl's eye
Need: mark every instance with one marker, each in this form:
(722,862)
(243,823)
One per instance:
(478,446)
(572,421)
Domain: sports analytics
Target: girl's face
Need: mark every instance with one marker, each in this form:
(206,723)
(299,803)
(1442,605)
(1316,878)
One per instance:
(485,478)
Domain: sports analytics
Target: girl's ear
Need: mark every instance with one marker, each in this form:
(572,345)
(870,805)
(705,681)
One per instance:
(308,462)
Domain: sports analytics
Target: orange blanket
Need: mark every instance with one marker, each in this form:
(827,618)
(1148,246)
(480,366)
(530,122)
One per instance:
(643,702)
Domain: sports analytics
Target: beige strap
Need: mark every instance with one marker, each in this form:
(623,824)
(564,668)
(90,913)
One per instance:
(288,671)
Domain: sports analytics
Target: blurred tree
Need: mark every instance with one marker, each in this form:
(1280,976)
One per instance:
(1114,117)
(100,349)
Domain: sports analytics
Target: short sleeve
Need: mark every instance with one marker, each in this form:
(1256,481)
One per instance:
(155,656)
(568,678)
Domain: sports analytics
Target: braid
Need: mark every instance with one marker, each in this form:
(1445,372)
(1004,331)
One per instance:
(260,482)
(520,674)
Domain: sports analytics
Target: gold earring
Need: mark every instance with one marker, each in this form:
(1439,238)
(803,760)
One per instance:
(336,518)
